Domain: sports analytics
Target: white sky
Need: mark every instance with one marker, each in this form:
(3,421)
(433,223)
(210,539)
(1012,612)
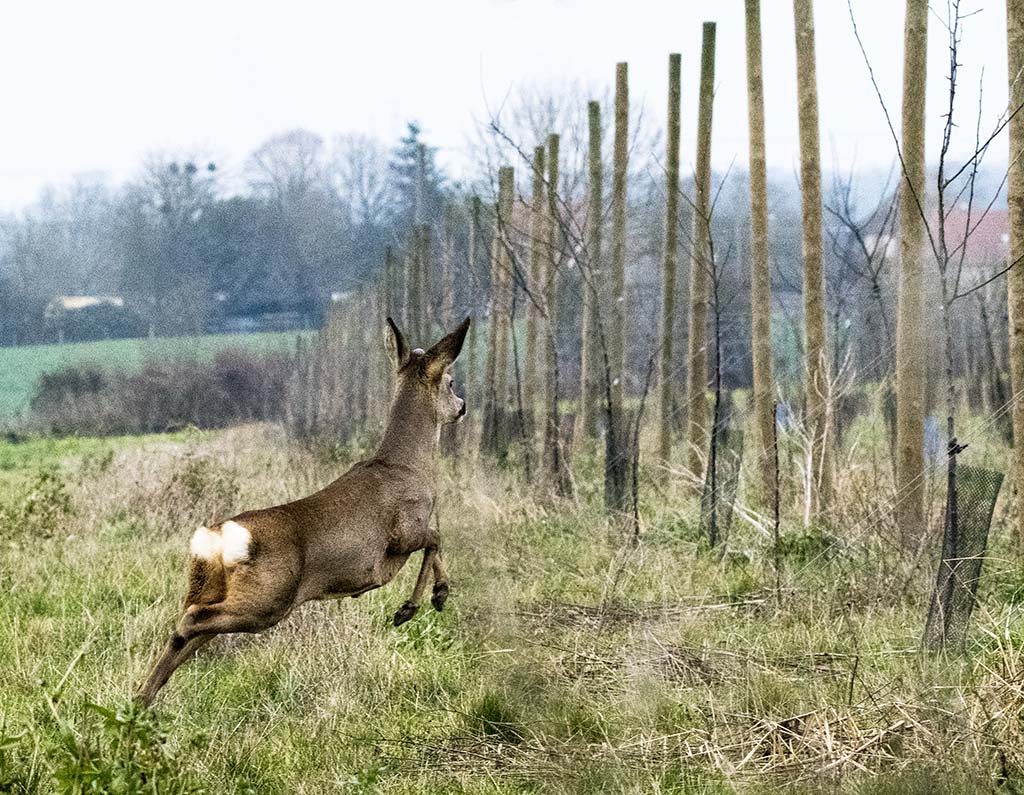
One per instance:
(94,86)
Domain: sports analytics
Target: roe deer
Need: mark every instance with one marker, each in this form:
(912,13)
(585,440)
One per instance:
(250,571)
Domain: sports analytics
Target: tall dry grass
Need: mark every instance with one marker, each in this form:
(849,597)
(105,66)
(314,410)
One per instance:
(568,661)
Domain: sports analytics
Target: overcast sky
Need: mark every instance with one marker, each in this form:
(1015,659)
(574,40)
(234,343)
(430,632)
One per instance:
(93,87)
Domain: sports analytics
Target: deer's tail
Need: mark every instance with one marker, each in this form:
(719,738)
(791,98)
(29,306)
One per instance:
(213,550)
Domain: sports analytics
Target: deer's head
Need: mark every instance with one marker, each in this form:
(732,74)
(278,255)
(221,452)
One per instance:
(425,383)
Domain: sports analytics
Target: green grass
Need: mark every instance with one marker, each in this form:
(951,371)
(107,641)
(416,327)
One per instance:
(19,461)
(567,661)
(22,366)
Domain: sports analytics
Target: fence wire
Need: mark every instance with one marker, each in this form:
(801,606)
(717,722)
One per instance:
(969,506)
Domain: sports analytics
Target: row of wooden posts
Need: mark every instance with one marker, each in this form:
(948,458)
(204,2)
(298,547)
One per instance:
(511,406)
(526,408)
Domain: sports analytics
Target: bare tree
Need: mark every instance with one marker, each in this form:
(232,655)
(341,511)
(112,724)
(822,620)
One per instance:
(528,114)
(288,167)
(358,172)
(863,244)
(165,205)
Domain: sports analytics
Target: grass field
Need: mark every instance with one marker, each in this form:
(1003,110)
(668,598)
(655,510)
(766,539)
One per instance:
(21,366)
(568,659)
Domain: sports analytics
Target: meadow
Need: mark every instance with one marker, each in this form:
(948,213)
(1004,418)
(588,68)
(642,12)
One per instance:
(569,659)
(22,365)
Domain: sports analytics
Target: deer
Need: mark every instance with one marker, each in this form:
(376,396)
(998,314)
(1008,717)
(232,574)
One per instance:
(249,572)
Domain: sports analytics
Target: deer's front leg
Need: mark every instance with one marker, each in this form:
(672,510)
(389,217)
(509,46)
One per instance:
(440,595)
(411,605)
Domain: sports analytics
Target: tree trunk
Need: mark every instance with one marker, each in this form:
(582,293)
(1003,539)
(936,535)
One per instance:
(668,294)
(1015,278)
(554,464)
(495,432)
(472,379)
(447,319)
(412,287)
(592,279)
(390,298)
(534,316)
(910,367)
(420,214)
(760,274)
(816,407)
(700,265)
(616,496)
(425,310)
(451,435)
(502,319)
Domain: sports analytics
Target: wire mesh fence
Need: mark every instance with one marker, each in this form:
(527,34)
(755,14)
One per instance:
(970,502)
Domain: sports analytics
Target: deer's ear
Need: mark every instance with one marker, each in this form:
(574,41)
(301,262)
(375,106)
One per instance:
(398,350)
(445,352)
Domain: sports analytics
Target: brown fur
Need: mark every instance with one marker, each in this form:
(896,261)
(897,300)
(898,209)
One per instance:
(350,537)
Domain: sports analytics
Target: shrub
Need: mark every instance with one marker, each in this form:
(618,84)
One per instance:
(40,509)
(126,754)
(236,386)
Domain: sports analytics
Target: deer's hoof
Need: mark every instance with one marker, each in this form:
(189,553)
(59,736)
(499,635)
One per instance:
(440,596)
(405,612)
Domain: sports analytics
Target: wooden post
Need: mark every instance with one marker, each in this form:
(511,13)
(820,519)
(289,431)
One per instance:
(617,445)
(495,432)
(760,274)
(700,265)
(472,378)
(554,465)
(816,402)
(910,364)
(666,392)
(1015,278)
(534,316)
(590,343)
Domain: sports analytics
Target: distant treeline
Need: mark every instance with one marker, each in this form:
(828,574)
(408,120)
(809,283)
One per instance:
(188,247)
(185,248)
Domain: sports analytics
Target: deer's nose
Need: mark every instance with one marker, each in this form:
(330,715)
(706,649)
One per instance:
(462,409)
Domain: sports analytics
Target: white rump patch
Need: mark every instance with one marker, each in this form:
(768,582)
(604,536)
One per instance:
(205,544)
(234,543)
(230,543)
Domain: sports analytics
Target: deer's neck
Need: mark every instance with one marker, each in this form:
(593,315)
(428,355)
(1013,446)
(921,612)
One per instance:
(411,436)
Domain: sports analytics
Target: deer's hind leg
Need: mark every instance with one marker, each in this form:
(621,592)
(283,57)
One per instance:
(177,652)
(255,601)
(250,600)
